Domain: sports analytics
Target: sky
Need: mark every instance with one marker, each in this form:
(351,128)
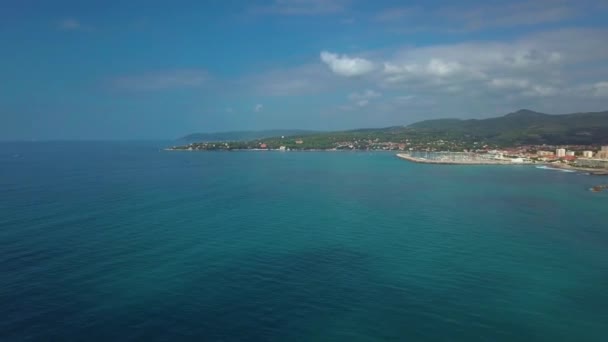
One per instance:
(160,70)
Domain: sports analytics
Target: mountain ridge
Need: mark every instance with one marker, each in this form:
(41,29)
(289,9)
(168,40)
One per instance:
(522,127)
(525,127)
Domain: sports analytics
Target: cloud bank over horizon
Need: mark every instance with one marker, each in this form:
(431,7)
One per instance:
(311,64)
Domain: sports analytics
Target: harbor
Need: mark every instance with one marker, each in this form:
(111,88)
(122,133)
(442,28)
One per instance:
(460,158)
(562,160)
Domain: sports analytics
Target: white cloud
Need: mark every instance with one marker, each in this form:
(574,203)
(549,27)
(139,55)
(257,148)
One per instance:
(565,66)
(362,99)
(514,13)
(466,62)
(160,80)
(600,89)
(347,66)
(553,71)
(509,83)
(302,80)
(69,24)
(473,16)
(258,108)
(540,91)
(303,7)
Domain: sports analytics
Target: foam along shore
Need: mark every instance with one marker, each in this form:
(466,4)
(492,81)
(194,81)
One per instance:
(566,167)
(462,161)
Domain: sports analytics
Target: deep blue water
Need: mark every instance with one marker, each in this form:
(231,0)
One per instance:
(122,241)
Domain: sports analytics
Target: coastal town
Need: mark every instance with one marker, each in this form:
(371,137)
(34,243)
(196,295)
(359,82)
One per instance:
(593,159)
(575,157)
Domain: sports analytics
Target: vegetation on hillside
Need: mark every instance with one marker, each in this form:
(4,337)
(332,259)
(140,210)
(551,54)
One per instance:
(523,127)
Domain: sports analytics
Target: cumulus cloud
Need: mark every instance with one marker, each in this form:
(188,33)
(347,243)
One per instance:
(553,71)
(347,66)
(535,66)
(466,62)
(160,80)
(258,108)
(556,71)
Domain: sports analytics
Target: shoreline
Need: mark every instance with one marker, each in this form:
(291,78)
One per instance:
(559,167)
(447,162)
(408,157)
(274,150)
(591,171)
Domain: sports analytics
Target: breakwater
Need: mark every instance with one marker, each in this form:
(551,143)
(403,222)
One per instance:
(453,159)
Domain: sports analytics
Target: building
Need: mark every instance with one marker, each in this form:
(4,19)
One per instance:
(570,153)
(587,154)
(299,141)
(282,148)
(560,152)
(263,146)
(592,163)
(603,153)
(544,153)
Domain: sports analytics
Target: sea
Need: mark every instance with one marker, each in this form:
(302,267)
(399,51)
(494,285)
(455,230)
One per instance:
(124,241)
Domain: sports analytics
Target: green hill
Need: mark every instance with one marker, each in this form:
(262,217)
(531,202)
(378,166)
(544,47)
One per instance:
(524,127)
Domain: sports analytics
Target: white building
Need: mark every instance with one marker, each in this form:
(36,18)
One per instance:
(570,153)
(603,153)
(588,154)
(560,152)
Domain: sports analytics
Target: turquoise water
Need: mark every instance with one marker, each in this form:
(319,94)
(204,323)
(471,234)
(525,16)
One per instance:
(122,241)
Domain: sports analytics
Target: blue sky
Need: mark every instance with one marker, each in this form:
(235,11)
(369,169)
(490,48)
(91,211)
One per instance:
(160,70)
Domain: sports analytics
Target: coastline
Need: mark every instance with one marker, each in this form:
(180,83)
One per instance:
(274,150)
(448,162)
(410,158)
(565,167)
(594,172)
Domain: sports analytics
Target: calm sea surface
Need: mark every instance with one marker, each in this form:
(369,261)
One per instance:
(123,241)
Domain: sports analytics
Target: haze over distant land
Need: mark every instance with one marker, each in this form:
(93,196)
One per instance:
(241,135)
(128,70)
